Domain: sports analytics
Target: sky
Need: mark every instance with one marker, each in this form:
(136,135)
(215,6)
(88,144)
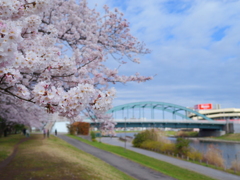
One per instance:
(195,51)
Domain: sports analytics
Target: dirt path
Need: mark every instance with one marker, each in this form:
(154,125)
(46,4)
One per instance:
(9,159)
(129,167)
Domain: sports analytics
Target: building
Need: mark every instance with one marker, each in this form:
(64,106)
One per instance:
(216,113)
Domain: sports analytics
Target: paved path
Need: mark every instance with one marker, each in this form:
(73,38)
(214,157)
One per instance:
(184,164)
(129,167)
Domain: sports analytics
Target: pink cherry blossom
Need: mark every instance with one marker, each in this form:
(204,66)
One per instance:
(36,67)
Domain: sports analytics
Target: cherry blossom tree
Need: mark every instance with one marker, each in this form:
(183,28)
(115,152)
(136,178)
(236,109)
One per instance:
(53,54)
(17,112)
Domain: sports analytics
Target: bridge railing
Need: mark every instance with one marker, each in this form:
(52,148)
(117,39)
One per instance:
(170,121)
(164,121)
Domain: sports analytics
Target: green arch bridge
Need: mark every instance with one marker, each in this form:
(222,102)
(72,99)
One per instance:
(131,110)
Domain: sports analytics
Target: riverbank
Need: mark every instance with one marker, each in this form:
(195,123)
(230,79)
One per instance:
(216,174)
(228,153)
(227,138)
(215,140)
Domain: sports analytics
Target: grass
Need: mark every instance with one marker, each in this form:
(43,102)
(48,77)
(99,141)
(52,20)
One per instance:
(182,133)
(187,133)
(7,145)
(171,133)
(160,166)
(229,137)
(52,159)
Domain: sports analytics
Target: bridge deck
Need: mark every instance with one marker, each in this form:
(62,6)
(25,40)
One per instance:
(167,123)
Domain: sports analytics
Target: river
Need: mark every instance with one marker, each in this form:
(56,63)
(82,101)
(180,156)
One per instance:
(230,151)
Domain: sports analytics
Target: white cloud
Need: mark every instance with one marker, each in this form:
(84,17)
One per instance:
(193,66)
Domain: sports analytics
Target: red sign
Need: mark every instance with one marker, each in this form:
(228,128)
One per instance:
(203,106)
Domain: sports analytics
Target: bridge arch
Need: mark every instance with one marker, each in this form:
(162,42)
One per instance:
(152,105)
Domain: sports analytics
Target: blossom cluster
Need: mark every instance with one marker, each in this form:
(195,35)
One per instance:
(9,37)
(36,65)
(22,112)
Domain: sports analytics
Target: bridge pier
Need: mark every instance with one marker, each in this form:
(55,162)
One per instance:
(236,127)
(210,132)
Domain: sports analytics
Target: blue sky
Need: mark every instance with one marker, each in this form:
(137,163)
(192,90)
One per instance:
(195,51)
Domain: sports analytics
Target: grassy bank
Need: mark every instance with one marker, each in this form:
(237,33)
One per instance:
(161,166)
(7,145)
(52,159)
(155,140)
(182,133)
(229,137)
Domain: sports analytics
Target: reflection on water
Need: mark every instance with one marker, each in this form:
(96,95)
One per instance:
(230,151)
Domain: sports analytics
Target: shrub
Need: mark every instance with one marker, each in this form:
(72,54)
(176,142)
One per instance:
(93,136)
(195,155)
(94,140)
(182,146)
(152,145)
(168,147)
(235,165)
(152,134)
(139,139)
(71,129)
(213,156)
(82,127)
(158,146)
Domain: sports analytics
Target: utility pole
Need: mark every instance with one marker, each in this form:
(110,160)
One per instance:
(125,140)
